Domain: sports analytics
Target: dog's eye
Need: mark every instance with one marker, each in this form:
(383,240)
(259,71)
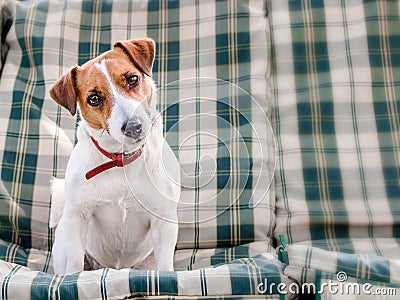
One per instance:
(94,100)
(132,81)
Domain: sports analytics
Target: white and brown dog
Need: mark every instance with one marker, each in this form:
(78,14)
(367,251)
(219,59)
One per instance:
(117,207)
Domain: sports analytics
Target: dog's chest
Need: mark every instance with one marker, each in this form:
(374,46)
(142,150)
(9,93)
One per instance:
(120,215)
(116,212)
(119,234)
(131,188)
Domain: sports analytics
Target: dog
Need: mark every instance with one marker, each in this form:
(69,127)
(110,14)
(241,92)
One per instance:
(117,206)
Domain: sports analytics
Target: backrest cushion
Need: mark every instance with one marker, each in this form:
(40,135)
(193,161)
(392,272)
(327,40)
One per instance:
(226,201)
(336,77)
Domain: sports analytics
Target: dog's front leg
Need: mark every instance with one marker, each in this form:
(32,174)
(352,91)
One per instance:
(164,234)
(70,243)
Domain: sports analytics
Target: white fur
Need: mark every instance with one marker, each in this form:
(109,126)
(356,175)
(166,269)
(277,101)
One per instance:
(57,201)
(124,217)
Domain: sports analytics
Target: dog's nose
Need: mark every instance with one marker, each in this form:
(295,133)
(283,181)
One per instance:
(132,128)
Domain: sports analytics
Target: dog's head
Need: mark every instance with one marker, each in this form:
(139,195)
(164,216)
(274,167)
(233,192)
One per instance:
(113,90)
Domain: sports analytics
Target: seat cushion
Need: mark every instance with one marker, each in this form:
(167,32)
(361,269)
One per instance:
(238,278)
(336,72)
(331,273)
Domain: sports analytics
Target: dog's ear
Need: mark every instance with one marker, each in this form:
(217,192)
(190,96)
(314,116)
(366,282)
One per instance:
(64,91)
(141,53)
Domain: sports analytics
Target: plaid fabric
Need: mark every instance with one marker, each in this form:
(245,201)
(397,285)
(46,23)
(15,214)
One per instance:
(336,72)
(240,277)
(227,159)
(227,166)
(192,259)
(335,275)
(185,259)
(304,260)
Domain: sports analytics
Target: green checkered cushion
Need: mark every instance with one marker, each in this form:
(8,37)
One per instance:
(239,277)
(227,167)
(335,275)
(223,147)
(192,259)
(304,260)
(336,72)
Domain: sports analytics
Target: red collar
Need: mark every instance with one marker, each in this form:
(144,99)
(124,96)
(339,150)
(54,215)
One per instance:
(117,159)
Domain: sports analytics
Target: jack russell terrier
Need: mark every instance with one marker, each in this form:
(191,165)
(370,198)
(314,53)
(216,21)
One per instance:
(117,206)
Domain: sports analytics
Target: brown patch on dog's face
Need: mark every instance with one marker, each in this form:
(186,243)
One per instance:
(91,83)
